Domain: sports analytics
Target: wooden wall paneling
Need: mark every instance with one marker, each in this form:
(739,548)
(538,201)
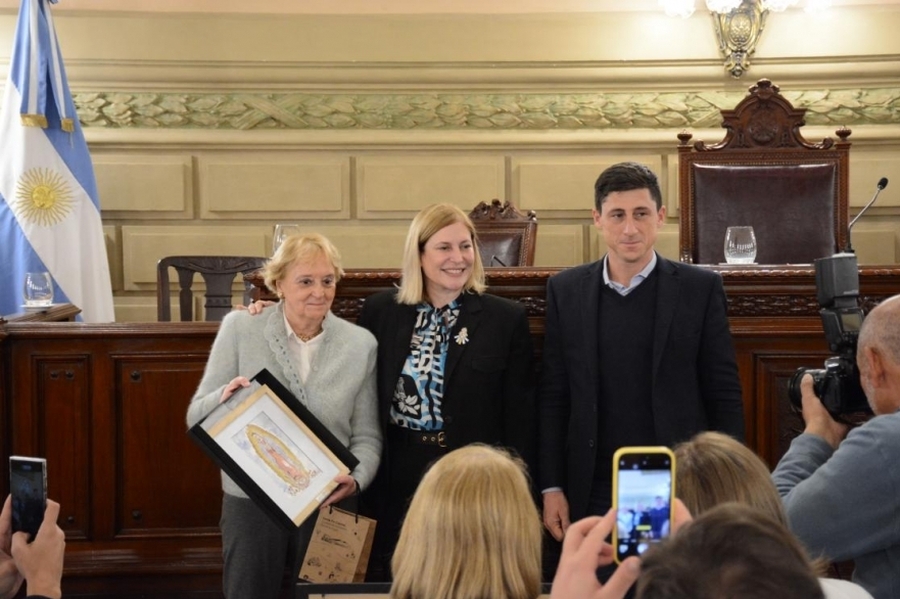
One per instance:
(766,362)
(62,398)
(158,496)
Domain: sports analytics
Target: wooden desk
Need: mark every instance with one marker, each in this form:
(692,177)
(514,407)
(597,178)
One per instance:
(54,313)
(106,404)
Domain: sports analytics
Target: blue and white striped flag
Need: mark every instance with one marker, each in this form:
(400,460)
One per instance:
(49,212)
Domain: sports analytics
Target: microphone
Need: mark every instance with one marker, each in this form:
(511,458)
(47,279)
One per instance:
(494,258)
(882,183)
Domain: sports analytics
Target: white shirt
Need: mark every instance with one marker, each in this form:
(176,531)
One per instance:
(302,352)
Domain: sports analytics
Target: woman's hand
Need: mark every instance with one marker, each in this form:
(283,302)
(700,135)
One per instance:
(258,306)
(235,384)
(346,487)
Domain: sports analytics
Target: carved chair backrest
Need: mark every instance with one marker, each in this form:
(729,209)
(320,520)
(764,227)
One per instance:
(794,193)
(506,236)
(218,272)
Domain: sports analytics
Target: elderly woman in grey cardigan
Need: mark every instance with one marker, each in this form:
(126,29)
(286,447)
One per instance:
(328,364)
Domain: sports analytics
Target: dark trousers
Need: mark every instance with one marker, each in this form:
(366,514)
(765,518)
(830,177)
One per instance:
(260,557)
(401,470)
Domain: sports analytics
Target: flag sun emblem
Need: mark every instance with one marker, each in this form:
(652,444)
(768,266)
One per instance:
(43,197)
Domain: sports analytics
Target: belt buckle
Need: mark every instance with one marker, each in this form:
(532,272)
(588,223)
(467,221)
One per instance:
(441,439)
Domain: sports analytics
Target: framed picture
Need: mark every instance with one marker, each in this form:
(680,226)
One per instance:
(274,449)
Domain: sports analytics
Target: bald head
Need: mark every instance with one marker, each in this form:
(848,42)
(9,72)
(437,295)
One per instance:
(881,329)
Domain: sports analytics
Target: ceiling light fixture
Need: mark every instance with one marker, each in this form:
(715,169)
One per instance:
(738,24)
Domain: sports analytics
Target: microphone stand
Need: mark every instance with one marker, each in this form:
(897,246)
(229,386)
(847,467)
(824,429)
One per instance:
(881,185)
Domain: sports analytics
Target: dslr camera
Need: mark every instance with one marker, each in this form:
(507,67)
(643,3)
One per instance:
(837,384)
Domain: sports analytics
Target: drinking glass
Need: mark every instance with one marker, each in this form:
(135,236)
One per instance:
(282,232)
(740,245)
(38,290)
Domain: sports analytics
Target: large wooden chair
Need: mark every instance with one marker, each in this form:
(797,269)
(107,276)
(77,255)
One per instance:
(506,236)
(764,174)
(218,272)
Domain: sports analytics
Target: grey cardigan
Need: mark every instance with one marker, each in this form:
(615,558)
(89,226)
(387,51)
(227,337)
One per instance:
(339,391)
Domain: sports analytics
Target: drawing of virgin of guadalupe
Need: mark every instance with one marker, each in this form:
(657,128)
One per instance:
(280,459)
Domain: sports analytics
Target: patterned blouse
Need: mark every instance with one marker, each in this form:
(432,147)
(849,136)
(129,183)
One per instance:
(416,404)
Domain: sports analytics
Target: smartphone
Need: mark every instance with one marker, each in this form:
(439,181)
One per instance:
(28,487)
(643,490)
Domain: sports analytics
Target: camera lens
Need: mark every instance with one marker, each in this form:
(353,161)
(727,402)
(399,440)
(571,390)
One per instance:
(794,393)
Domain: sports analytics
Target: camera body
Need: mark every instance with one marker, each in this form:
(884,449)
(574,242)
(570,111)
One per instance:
(837,384)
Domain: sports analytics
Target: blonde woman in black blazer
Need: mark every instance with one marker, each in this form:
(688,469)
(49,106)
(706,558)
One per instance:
(455,366)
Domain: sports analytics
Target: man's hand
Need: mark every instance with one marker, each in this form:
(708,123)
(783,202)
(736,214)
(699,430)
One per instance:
(41,561)
(584,550)
(556,514)
(818,420)
(10,578)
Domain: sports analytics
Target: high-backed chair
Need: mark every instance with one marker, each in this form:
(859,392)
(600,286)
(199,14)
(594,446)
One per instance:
(506,236)
(766,175)
(218,272)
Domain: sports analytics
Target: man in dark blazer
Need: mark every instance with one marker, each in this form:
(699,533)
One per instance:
(637,351)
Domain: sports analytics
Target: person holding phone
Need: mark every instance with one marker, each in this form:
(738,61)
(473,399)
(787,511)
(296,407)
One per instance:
(37,561)
(637,351)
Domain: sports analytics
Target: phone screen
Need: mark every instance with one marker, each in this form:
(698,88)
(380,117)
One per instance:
(28,487)
(643,498)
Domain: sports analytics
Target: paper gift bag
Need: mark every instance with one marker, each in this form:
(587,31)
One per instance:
(339,549)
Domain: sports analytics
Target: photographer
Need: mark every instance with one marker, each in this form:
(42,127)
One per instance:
(842,496)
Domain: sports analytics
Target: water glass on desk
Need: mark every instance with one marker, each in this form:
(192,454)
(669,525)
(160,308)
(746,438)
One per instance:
(38,290)
(740,245)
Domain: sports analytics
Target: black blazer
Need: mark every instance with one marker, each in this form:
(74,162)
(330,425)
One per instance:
(695,383)
(489,389)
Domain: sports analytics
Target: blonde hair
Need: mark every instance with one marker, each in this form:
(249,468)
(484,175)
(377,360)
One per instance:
(472,531)
(426,223)
(300,248)
(713,468)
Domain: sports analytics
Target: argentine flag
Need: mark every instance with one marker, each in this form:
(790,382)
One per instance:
(49,213)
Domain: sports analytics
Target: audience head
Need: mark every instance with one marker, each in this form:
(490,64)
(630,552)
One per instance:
(472,531)
(301,249)
(732,550)
(626,176)
(714,468)
(878,356)
(425,225)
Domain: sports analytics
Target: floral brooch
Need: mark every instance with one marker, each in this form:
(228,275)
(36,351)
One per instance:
(462,337)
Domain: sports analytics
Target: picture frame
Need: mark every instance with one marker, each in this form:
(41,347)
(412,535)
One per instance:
(273,447)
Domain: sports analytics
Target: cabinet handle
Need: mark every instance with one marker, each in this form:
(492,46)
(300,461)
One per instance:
(54,374)
(136,514)
(70,375)
(135,375)
(70,520)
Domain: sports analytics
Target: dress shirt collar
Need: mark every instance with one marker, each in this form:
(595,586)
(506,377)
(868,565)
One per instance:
(635,280)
